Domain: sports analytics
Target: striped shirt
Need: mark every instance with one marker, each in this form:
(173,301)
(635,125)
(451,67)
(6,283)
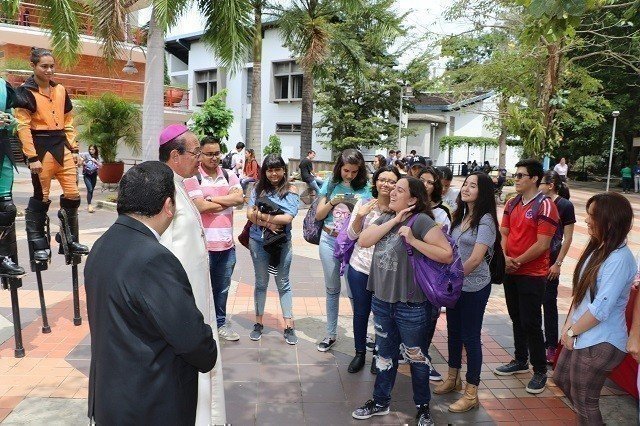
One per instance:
(218,227)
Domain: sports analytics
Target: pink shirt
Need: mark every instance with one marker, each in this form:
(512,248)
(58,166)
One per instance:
(218,227)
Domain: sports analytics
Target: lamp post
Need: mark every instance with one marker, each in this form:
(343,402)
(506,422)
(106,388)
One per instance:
(406,92)
(130,66)
(615,115)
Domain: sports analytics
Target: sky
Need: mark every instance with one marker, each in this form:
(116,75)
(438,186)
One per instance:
(425,17)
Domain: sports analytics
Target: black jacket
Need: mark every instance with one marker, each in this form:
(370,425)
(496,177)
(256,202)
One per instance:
(148,338)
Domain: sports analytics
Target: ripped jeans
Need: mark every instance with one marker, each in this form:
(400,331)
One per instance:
(402,329)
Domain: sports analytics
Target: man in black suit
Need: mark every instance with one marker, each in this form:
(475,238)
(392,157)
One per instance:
(148,338)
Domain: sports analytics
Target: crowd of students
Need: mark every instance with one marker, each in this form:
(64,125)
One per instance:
(386,213)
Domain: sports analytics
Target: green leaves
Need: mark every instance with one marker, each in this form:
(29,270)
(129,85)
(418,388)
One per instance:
(107,120)
(273,147)
(214,118)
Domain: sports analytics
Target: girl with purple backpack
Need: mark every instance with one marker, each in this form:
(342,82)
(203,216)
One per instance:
(399,306)
(474,229)
(365,213)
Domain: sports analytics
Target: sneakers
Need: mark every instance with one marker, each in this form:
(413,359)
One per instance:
(256,334)
(512,368)
(551,355)
(326,344)
(369,409)
(226,332)
(423,418)
(290,336)
(537,383)
(371,344)
(434,375)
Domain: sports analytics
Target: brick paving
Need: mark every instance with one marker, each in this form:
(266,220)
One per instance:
(270,382)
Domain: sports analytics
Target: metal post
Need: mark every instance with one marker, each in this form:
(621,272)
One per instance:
(400,117)
(613,136)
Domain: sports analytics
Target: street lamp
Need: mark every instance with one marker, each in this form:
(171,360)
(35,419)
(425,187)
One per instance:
(130,66)
(406,92)
(615,115)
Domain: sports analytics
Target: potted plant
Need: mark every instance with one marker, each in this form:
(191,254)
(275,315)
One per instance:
(173,94)
(106,122)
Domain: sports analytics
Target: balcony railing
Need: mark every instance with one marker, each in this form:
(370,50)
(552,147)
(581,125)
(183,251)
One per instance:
(82,86)
(32,15)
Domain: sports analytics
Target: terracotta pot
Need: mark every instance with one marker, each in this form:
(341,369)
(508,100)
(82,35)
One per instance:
(111,172)
(172,96)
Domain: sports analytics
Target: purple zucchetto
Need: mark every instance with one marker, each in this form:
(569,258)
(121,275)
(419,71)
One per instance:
(171,132)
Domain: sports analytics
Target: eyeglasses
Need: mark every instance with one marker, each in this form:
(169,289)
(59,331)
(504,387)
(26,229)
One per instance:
(195,154)
(387,182)
(211,154)
(521,175)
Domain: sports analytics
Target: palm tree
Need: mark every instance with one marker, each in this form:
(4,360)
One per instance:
(311,30)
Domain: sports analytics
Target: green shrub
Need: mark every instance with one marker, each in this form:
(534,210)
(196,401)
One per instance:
(274,146)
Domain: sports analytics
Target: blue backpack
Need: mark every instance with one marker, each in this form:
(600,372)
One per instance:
(441,283)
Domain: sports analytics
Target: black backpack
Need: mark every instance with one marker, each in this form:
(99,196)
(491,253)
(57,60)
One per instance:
(497,264)
(227,161)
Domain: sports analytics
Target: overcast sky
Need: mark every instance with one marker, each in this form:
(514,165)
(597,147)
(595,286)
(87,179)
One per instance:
(426,17)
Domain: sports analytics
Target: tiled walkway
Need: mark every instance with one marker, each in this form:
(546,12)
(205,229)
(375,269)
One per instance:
(270,382)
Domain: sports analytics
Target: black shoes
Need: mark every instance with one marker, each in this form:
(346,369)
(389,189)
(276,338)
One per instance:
(423,418)
(370,409)
(7,267)
(357,362)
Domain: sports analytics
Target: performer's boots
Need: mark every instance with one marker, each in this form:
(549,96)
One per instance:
(70,208)
(36,220)
(8,245)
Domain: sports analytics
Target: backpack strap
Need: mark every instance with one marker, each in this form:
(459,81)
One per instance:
(224,173)
(513,203)
(410,223)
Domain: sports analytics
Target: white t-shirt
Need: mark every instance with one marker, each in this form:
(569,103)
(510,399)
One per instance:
(561,170)
(450,198)
(237,163)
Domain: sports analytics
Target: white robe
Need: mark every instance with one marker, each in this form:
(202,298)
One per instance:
(185,238)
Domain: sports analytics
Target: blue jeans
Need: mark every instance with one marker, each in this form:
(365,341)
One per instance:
(221,264)
(315,184)
(90,182)
(332,281)
(244,182)
(361,298)
(401,329)
(260,267)
(464,324)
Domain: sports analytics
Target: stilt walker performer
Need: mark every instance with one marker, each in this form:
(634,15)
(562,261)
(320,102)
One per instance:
(45,128)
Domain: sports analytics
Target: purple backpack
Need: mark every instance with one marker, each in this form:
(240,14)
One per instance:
(343,247)
(441,283)
(312,228)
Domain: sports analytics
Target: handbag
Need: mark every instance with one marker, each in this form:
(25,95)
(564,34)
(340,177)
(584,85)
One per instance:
(441,283)
(243,238)
(312,228)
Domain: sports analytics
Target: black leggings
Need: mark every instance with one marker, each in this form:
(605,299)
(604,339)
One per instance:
(90,181)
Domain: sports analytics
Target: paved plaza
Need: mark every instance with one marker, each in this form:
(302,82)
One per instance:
(270,382)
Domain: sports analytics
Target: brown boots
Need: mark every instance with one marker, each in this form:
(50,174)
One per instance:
(453,382)
(468,401)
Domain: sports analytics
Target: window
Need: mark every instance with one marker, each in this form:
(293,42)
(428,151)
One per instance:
(288,128)
(287,81)
(249,83)
(206,85)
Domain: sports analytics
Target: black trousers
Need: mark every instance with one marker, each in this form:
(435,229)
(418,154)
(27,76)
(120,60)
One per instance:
(524,295)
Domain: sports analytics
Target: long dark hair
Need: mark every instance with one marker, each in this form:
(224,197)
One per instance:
(264,185)
(436,195)
(354,157)
(484,204)
(376,175)
(612,220)
(95,148)
(417,190)
(559,187)
(382,161)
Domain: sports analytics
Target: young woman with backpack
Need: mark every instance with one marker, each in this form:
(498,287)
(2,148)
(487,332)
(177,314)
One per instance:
(90,165)
(475,229)
(555,188)
(338,197)
(272,189)
(366,212)
(251,169)
(399,306)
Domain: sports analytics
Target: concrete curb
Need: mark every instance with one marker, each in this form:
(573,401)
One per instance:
(107,205)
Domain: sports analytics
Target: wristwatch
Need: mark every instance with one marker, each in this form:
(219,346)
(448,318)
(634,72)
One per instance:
(570,333)
(559,263)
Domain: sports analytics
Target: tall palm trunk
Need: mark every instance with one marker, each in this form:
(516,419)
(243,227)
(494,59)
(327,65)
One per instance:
(153,106)
(255,129)
(306,124)
(502,138)
(549,87)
